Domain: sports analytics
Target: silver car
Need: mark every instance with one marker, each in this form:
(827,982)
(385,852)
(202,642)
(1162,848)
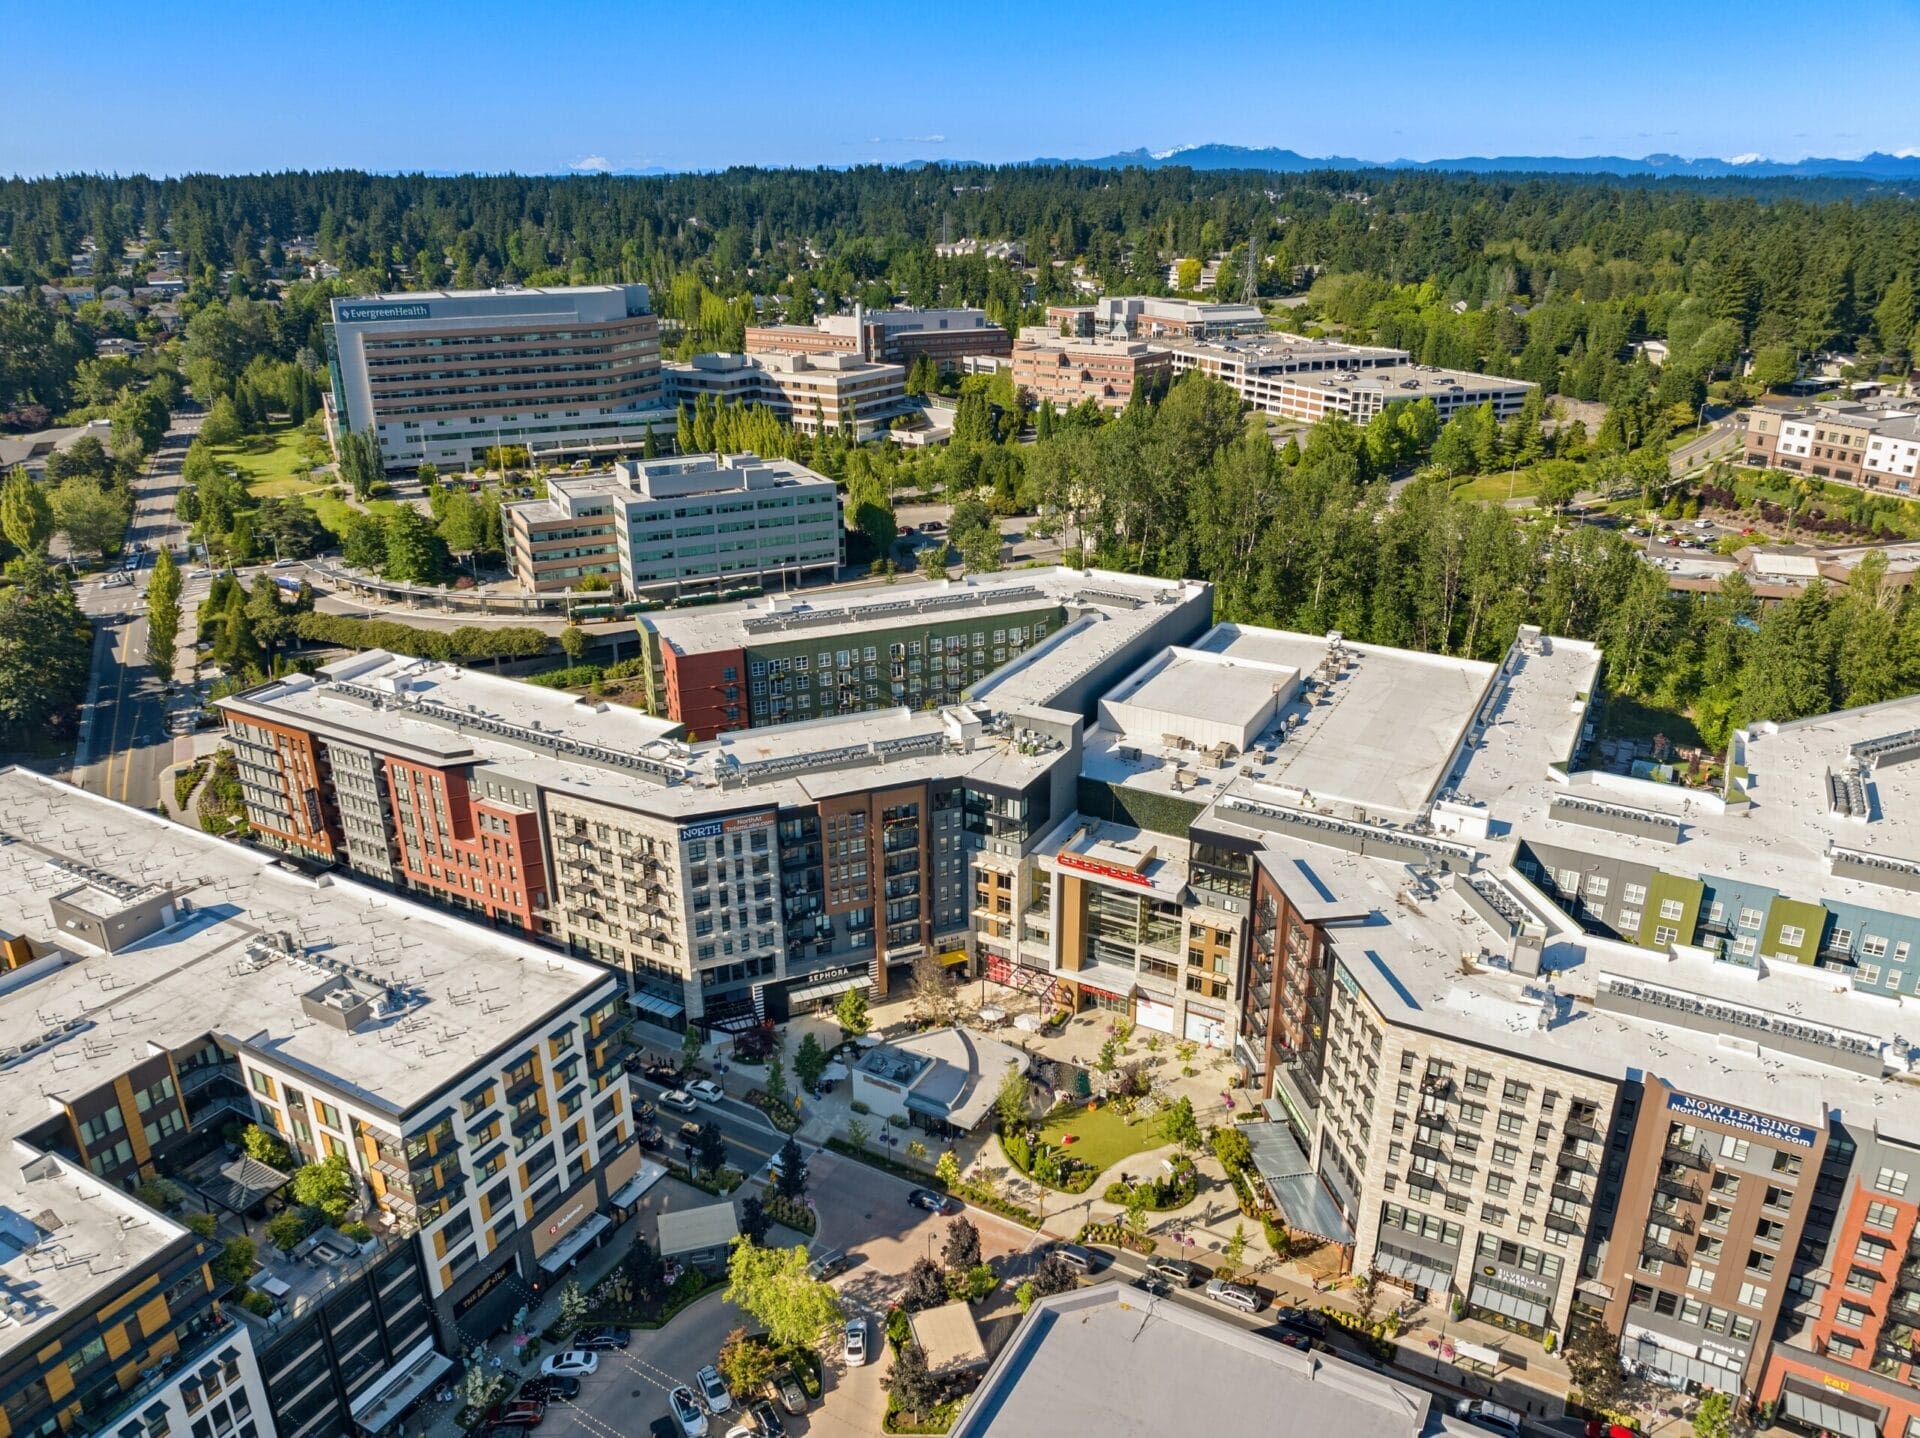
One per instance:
(1233,1295)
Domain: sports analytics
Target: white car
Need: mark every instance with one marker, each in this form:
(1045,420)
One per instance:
(713,1388)
(688,1413)
(677,1098)
(706,1090)
(285,563)
(574,1363)
(856,1343)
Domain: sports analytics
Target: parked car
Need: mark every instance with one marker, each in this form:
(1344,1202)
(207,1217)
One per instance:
(607,1335)
(1177,1271)
(285,563)
(1303,1320)
(660,1073)
(548,1390)
(713,1388)
(572,1363)
(933,1202)
(1074,1256)
(1158,1287)
(1600,1428)
(828,1263)
(767,1420)
(856,1343)
(1491,1416)
(688,1413)
(515,1414)
(786,1387)
(1293,1339)
(650,1136)
(678,1099)
(1233,1295)
(706,1090)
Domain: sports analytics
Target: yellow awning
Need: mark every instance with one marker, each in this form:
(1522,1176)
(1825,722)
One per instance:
(953,956)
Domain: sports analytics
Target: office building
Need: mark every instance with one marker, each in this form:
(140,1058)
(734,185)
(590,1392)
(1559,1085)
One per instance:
(815,393)
(1870,446)
(1143,317)
(790,657)
(441,376)
(1067,372)
(164,984)
(1306,380)
(687,523)
(898,336)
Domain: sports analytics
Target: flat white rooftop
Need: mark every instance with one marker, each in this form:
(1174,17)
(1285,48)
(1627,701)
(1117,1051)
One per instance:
(444,712)
(1123,1364)
(459,992)
(1364,730)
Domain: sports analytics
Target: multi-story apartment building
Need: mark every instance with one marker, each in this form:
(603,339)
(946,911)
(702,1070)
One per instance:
(788,657)
(730,877)
(897,336)
(815,393)
(162,984)
(687,523)
(1871,446)
(441,376)
(1154,317)
(1569,1047)
(1066,371)
(1306,380)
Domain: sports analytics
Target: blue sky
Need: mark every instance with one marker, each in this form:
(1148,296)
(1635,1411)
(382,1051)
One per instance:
(497,85)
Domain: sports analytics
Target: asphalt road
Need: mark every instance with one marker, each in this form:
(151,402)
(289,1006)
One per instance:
(1722,434)
(123,742)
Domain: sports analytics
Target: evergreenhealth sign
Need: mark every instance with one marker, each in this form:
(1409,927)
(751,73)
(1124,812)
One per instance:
(358,314)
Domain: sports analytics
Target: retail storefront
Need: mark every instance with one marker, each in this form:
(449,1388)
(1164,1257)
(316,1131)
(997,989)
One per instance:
(1154,1015)
(1820,1397)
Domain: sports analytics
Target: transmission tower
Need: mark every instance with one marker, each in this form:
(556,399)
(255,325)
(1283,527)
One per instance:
(1250,288)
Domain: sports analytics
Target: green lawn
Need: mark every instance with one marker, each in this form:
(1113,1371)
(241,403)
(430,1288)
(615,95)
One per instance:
(273,462)
(334,512)
(1101,1137)
(1493,487)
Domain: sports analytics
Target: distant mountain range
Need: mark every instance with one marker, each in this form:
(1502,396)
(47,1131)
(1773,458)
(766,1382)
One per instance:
(1876,166)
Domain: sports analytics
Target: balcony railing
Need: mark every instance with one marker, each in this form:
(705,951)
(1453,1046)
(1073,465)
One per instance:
(1675,1186)
(1662,1252)
(1693,1155)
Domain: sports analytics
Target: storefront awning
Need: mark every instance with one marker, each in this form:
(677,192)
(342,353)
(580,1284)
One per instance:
(399,1387)
(827,988)
(1499,1301)
(1412,1268)
(952,957)
(1662,1353)
(1823,1408)
(1283,1164)
(659,1007)
(629,1192)
(563,1252)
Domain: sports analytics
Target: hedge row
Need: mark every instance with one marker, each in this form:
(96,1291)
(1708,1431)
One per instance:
(459,646)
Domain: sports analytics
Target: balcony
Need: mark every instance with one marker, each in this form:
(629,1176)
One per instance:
(1437,1085)
(1570,1188)
(1660,1252)
(1674,1184)
(1584,1130)
(1693,1155)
